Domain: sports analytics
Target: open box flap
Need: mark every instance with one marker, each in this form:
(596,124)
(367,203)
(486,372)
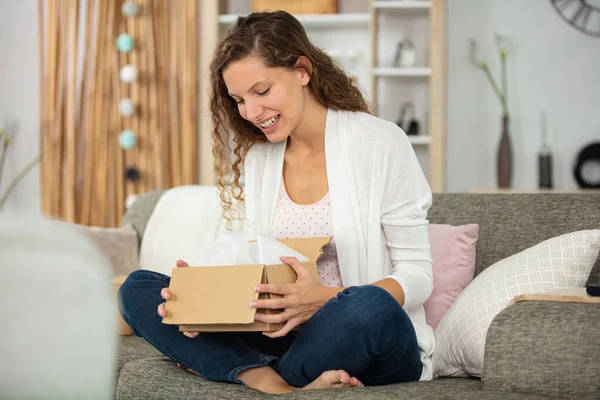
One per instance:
(213,295)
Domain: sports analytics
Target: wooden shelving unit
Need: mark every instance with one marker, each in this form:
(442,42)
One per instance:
(432,76)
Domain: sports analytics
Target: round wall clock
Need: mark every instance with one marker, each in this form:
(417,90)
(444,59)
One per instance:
(583,15)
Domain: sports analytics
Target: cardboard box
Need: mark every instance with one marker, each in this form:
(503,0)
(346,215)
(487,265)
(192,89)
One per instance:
(217,299)
(124,329)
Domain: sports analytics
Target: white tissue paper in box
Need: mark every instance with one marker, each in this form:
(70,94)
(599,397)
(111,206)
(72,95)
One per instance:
(234,248)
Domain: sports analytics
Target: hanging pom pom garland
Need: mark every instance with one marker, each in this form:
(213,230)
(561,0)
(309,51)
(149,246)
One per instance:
(128,74)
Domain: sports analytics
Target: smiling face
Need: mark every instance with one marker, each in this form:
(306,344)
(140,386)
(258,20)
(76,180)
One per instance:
(273,99)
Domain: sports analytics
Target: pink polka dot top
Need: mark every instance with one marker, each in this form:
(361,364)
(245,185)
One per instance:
(298,221)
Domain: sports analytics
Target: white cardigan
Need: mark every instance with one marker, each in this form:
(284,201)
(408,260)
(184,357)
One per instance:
(379,200)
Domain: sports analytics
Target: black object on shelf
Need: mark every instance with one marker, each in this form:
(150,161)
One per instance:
(590,153)
(413,126)
(545,159)
(132,174)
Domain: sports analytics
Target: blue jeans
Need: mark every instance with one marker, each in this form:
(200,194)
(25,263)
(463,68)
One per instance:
(363,331)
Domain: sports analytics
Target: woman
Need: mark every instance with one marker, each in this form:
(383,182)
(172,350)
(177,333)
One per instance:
(316,164)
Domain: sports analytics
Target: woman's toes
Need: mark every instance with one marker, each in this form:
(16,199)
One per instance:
(344,377)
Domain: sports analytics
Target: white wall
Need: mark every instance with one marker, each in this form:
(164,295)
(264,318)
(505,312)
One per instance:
(554,67)
(19,97)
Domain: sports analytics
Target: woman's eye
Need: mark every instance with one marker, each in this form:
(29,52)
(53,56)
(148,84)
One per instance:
(265,92)
(239,102)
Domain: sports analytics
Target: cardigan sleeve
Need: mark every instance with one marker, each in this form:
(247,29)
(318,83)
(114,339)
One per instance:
(405,203)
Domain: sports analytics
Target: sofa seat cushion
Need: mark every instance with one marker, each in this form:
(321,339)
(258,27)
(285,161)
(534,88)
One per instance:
(158,378)
(133,348)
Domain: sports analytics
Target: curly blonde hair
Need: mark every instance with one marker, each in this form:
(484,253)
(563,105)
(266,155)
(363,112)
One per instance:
(279,40)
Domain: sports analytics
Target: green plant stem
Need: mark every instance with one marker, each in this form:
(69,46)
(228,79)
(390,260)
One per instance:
(504,82)
(496,88)
(17,179)
(4,146)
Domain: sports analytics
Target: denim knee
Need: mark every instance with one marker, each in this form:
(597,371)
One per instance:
(133,291)
(369,307)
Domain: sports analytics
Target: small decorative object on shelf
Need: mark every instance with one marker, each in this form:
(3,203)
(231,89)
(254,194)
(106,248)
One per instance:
(405,54)
(127,139)
(132,174)
(126,107)
(587,167)
(504,157)
(125,43)
(128,74)
(545,158)
(413,126)
(130,9)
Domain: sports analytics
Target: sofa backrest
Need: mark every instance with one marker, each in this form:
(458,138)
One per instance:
(510,223)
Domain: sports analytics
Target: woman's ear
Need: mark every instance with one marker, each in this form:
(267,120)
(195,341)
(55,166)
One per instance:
(304,68)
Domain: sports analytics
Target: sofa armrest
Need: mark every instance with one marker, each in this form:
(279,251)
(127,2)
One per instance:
(545,348)
(140,211)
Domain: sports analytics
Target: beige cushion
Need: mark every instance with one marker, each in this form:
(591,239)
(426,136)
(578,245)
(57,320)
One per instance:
(119,246)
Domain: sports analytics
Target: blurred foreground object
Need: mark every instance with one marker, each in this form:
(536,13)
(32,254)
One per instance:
(59,329)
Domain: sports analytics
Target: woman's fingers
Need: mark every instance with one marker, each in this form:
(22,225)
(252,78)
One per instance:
(289,325)
(191,335)
(275,304)
(165,294)
(161,310)
(273,288)
(273,318)
(181,264)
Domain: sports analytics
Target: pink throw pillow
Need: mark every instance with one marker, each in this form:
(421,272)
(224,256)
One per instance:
(453,252)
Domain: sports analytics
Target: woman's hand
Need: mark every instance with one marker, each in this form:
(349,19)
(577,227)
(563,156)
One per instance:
(300,301)
(165,294)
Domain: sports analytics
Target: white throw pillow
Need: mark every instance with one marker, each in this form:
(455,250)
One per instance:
(561,262)
(185,221)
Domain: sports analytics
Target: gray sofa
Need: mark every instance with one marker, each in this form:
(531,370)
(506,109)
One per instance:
(533,349)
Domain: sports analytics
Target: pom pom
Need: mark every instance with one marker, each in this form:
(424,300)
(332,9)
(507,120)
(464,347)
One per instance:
(127,139)
(128,74)
(130,9)
(132,174)
(126,107)
(125,43)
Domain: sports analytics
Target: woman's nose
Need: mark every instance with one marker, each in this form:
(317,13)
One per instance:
(254,111)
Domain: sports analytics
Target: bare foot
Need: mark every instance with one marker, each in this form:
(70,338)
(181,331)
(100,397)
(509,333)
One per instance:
(181,366)
(333,379)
